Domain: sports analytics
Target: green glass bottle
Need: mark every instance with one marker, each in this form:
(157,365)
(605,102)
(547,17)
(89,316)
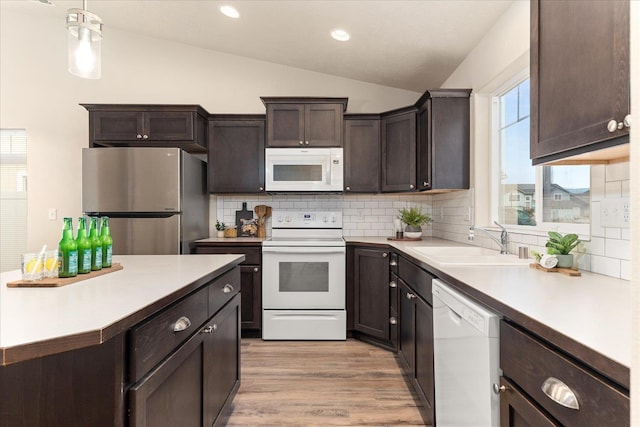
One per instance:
(107,242)
(67,251)
(84,247)
(96,245)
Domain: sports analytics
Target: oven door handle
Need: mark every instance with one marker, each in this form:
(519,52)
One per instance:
(303,250)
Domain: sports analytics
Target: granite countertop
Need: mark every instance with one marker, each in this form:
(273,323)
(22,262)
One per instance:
(36,322)
(592,313)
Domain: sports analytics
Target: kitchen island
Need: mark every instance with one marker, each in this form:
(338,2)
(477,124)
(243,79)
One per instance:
(108,350)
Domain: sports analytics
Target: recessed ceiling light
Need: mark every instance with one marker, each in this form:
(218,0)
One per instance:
(47,2)
(340,35)
(230,11)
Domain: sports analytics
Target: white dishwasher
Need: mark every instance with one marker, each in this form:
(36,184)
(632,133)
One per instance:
(466,360)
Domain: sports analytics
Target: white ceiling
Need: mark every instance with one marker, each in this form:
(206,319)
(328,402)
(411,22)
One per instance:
(413,45)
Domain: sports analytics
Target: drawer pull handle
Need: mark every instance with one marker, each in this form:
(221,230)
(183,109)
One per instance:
(227,288)
(497,389)
(209,329)
(560,393)
(181,324)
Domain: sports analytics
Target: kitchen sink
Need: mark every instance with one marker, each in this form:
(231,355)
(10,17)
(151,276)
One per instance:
(468,255)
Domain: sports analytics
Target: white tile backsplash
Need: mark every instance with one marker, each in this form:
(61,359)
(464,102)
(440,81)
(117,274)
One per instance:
(607,253)
(362,215)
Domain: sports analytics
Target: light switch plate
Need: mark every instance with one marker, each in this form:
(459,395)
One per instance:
(53,214)
(615,212)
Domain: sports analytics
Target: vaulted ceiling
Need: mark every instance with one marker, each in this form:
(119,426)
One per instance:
(411,45)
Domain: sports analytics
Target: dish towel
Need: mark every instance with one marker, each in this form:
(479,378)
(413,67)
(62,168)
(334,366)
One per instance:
(548,261)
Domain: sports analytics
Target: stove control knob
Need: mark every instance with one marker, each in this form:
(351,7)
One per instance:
(334,219)
(325,219)
(288,219)
(279,219)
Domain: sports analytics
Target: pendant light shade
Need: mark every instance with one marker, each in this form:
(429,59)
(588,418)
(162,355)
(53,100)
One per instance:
(84,40)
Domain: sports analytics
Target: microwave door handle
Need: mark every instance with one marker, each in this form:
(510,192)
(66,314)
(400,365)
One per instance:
(303,250)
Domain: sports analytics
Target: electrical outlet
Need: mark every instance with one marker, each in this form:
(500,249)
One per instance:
(53,214)
(615,213)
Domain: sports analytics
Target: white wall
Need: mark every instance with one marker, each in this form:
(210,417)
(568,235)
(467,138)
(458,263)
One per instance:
(37,93)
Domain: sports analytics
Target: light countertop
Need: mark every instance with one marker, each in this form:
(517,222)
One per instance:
(35,320)
(592,310)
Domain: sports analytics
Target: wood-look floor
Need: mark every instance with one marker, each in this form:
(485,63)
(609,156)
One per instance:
(320,383)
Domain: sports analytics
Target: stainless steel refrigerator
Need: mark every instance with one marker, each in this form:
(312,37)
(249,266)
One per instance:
(156,198)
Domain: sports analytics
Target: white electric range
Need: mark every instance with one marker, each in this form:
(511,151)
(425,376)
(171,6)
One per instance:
(303,277)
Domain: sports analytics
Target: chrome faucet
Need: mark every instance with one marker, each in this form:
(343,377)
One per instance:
(504,237)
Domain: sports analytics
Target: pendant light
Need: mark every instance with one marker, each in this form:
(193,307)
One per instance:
(84,40)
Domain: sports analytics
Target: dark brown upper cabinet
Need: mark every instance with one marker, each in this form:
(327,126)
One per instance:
(398,150)
(127,125)
(361,153)
(579,80)
(443,140)
(304,122)
(236,154)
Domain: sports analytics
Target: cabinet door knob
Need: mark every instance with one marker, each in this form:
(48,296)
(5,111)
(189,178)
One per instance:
(497,389)
(410,296)
(145,136)
(411,186)
(560,393)
(306,143)
(139,136)
(393,263)
(301,142)
(612,126)
(261,188)
(393,284)
(208,330)
(227,288)
(393,320)
(627,120)
(256,269)
(425,184)
(384,254)
(181,324)
(348,188)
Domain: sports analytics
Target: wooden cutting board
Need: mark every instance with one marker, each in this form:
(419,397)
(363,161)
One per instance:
(56,282)
(243,214)
(567,271)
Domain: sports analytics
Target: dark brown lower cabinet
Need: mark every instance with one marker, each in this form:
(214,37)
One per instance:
(222,363)
(193,385)
(415,346)
(517,411)
(371,302)
(171,394)
(250,280)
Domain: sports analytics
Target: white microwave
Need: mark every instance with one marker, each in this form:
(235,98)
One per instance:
(304,169)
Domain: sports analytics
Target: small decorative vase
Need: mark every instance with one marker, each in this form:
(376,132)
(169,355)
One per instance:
(412,232)
(565,261)
(220,233)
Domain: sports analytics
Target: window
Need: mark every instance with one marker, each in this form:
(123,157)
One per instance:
(533,197)
(13,197)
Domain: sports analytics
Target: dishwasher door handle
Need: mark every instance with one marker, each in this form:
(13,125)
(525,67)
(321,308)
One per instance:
(455,317)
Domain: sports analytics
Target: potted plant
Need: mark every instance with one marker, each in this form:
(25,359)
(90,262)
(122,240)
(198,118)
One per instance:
(561,246)
(220,228)
(414,220)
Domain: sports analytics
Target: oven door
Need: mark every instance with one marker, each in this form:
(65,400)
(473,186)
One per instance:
(303,277)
